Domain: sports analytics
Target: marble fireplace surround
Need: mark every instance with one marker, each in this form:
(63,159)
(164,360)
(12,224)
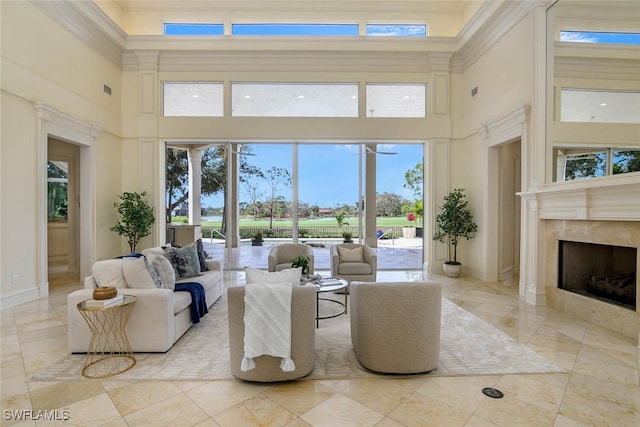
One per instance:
(606,212)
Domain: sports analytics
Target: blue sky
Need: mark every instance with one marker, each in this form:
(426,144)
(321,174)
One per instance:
(328,173)
(600,37)
(293,29)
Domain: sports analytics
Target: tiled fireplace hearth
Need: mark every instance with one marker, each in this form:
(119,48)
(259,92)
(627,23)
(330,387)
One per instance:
(618,317)
(598,222)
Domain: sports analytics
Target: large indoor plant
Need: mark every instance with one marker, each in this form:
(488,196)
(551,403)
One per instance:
(136,217)
(454,222)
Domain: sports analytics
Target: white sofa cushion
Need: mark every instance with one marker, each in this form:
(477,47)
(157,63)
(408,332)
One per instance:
(139,273)
(109,273)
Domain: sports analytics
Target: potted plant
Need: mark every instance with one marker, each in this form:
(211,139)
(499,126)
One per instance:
(340,219)
(301,261)
(256,240)
(136,217)
(454,222)
(409,232)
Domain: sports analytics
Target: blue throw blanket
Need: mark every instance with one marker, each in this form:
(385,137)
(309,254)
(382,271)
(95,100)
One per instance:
(198,298)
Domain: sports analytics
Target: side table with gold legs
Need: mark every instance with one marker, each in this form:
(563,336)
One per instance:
(109,351)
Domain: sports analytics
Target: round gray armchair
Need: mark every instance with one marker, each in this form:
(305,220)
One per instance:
(395,326)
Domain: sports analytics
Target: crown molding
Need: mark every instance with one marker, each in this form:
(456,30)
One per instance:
(494,19)
(492,23)
(90,24)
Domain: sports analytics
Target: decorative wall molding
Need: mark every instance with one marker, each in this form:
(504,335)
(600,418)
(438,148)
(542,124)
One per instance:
(506,129)
(90,24)
(615,198)
(501,20)
(593,61)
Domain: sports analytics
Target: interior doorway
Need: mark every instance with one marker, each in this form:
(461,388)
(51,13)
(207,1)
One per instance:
(63,225)
(509,210)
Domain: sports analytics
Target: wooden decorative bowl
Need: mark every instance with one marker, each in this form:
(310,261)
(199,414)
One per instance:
(105,292)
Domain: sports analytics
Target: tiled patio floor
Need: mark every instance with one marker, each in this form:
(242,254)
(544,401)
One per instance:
(393,254)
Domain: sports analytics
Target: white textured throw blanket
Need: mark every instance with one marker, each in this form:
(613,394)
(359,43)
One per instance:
(267,323)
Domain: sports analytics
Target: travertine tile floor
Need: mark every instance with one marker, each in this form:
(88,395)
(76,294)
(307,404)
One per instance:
(600,387)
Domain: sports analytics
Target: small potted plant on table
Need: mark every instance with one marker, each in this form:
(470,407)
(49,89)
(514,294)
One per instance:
(301,261)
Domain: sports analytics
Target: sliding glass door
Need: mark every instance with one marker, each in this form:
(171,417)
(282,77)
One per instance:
(327,197)
(399,208)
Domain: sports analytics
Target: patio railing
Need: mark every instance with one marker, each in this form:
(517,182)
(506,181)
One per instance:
(317,231)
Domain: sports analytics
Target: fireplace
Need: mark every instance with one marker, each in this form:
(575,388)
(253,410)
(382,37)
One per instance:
(604,272)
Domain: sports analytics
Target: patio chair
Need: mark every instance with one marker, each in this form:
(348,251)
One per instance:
(280,256)
(395,326)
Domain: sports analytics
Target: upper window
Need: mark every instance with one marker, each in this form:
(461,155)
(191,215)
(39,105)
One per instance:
(584,163)
(396,100)
(294,99)
(193,29)
(294,29)
(398,30)
(193,99)
(599,106)
(599,37)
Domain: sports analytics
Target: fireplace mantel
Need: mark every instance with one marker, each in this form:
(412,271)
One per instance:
(614,198)
(599,210)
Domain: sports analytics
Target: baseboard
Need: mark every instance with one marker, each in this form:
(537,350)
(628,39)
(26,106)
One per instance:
(20,297)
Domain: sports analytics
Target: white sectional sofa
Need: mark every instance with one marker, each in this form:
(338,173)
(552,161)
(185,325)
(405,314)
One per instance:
(160,316)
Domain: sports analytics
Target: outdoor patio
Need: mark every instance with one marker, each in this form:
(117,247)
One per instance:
(393,254)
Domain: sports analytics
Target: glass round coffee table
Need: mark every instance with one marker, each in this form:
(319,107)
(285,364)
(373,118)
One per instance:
(331,284)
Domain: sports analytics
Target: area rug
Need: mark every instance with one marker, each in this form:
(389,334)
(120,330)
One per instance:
(468,346)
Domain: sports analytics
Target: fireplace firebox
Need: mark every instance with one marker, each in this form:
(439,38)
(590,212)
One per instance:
(604,272)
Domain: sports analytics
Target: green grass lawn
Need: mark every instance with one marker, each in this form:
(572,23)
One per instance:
(303,223)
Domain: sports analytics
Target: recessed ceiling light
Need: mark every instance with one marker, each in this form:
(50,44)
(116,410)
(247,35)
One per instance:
(604,104)
(247,96)
(194,96)
(300,96)
(406,97)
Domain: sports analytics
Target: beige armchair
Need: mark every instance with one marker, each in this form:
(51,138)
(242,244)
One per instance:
(303,330)
(352,261)
(395,327)
(280,256)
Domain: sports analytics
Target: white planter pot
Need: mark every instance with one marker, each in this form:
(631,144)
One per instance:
(408,232)
(452,270)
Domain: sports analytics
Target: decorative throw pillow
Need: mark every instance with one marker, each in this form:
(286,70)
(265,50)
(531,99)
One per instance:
(164,269)
(291,275)
(157,250)
(202,254)
(109,273)
(139,273)
(184,261)
(351,255)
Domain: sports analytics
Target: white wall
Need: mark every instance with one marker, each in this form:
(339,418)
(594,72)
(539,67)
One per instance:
(504,76)
(42,62)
